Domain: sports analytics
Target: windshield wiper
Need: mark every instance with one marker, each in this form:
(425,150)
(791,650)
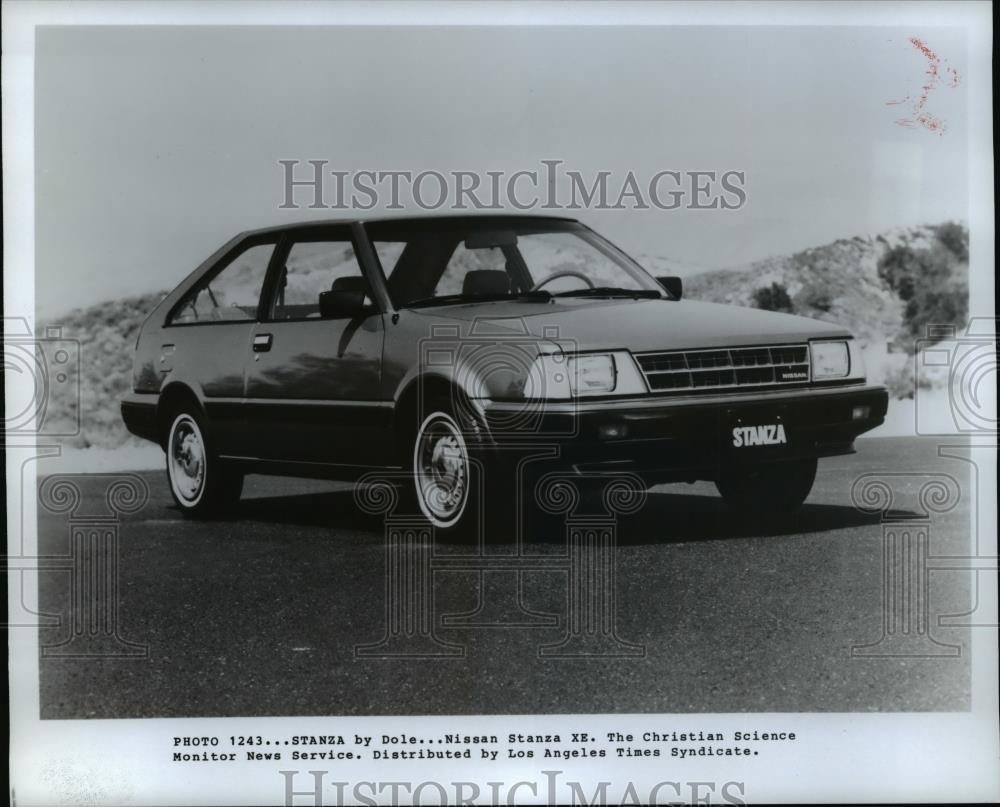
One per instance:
(458,299)
(611,291)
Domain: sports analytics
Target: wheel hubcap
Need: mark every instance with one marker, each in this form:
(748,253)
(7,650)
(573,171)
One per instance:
(441,469)
(186,459)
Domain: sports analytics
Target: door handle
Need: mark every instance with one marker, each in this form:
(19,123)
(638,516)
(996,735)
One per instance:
(262,343)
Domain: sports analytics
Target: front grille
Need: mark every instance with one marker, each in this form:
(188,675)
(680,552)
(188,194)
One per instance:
(731,368)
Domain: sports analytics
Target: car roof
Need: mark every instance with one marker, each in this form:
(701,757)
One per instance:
(490,218)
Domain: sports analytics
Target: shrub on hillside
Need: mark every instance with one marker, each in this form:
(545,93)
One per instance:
(955,238)
(773,298)
(930,281)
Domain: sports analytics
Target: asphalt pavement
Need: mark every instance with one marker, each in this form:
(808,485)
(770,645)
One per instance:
(263,614)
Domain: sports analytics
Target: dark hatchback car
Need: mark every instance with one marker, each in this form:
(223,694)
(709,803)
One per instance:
(459,353)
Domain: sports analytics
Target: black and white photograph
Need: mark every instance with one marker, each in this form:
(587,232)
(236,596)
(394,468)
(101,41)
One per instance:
(431,403)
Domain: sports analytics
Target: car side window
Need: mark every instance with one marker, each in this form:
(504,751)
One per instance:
(311,268)
(229,295)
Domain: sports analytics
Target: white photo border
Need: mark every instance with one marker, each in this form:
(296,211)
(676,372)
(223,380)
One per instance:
(840,757)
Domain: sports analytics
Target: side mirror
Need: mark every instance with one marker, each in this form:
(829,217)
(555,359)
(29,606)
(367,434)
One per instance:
(674,285)
(341,304)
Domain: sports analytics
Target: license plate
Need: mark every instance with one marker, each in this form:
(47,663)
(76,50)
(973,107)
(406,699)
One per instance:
(763,430)
(761,434)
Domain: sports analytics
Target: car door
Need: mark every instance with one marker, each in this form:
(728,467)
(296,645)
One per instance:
(314,382)
(204,343)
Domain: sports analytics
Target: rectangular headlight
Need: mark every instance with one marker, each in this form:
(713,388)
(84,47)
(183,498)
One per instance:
(829,360)
(592,374)
(857,361)
(558,376)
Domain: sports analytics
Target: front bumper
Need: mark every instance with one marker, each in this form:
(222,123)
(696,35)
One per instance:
(689,437)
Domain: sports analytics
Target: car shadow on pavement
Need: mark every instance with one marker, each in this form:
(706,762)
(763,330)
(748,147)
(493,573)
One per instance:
(664,518)
(334,509)
(682,517)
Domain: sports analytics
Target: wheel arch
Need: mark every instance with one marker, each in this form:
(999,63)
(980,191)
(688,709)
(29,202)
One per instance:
(174,396)
(422,388)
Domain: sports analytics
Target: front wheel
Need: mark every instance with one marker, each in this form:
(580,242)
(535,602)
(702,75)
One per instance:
(453,476)
(442,470)
(202,485)
(769,490)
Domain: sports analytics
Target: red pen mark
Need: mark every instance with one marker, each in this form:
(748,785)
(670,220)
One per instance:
(919,116)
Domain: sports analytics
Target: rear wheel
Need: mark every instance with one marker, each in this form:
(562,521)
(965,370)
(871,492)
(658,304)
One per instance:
(202,485)
(770,490)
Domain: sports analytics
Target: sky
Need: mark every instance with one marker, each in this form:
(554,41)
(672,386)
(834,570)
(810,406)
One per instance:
(155,145)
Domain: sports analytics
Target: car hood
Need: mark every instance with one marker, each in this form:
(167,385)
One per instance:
(641,325)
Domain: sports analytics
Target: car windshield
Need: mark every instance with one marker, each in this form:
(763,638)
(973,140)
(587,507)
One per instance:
(442,262)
